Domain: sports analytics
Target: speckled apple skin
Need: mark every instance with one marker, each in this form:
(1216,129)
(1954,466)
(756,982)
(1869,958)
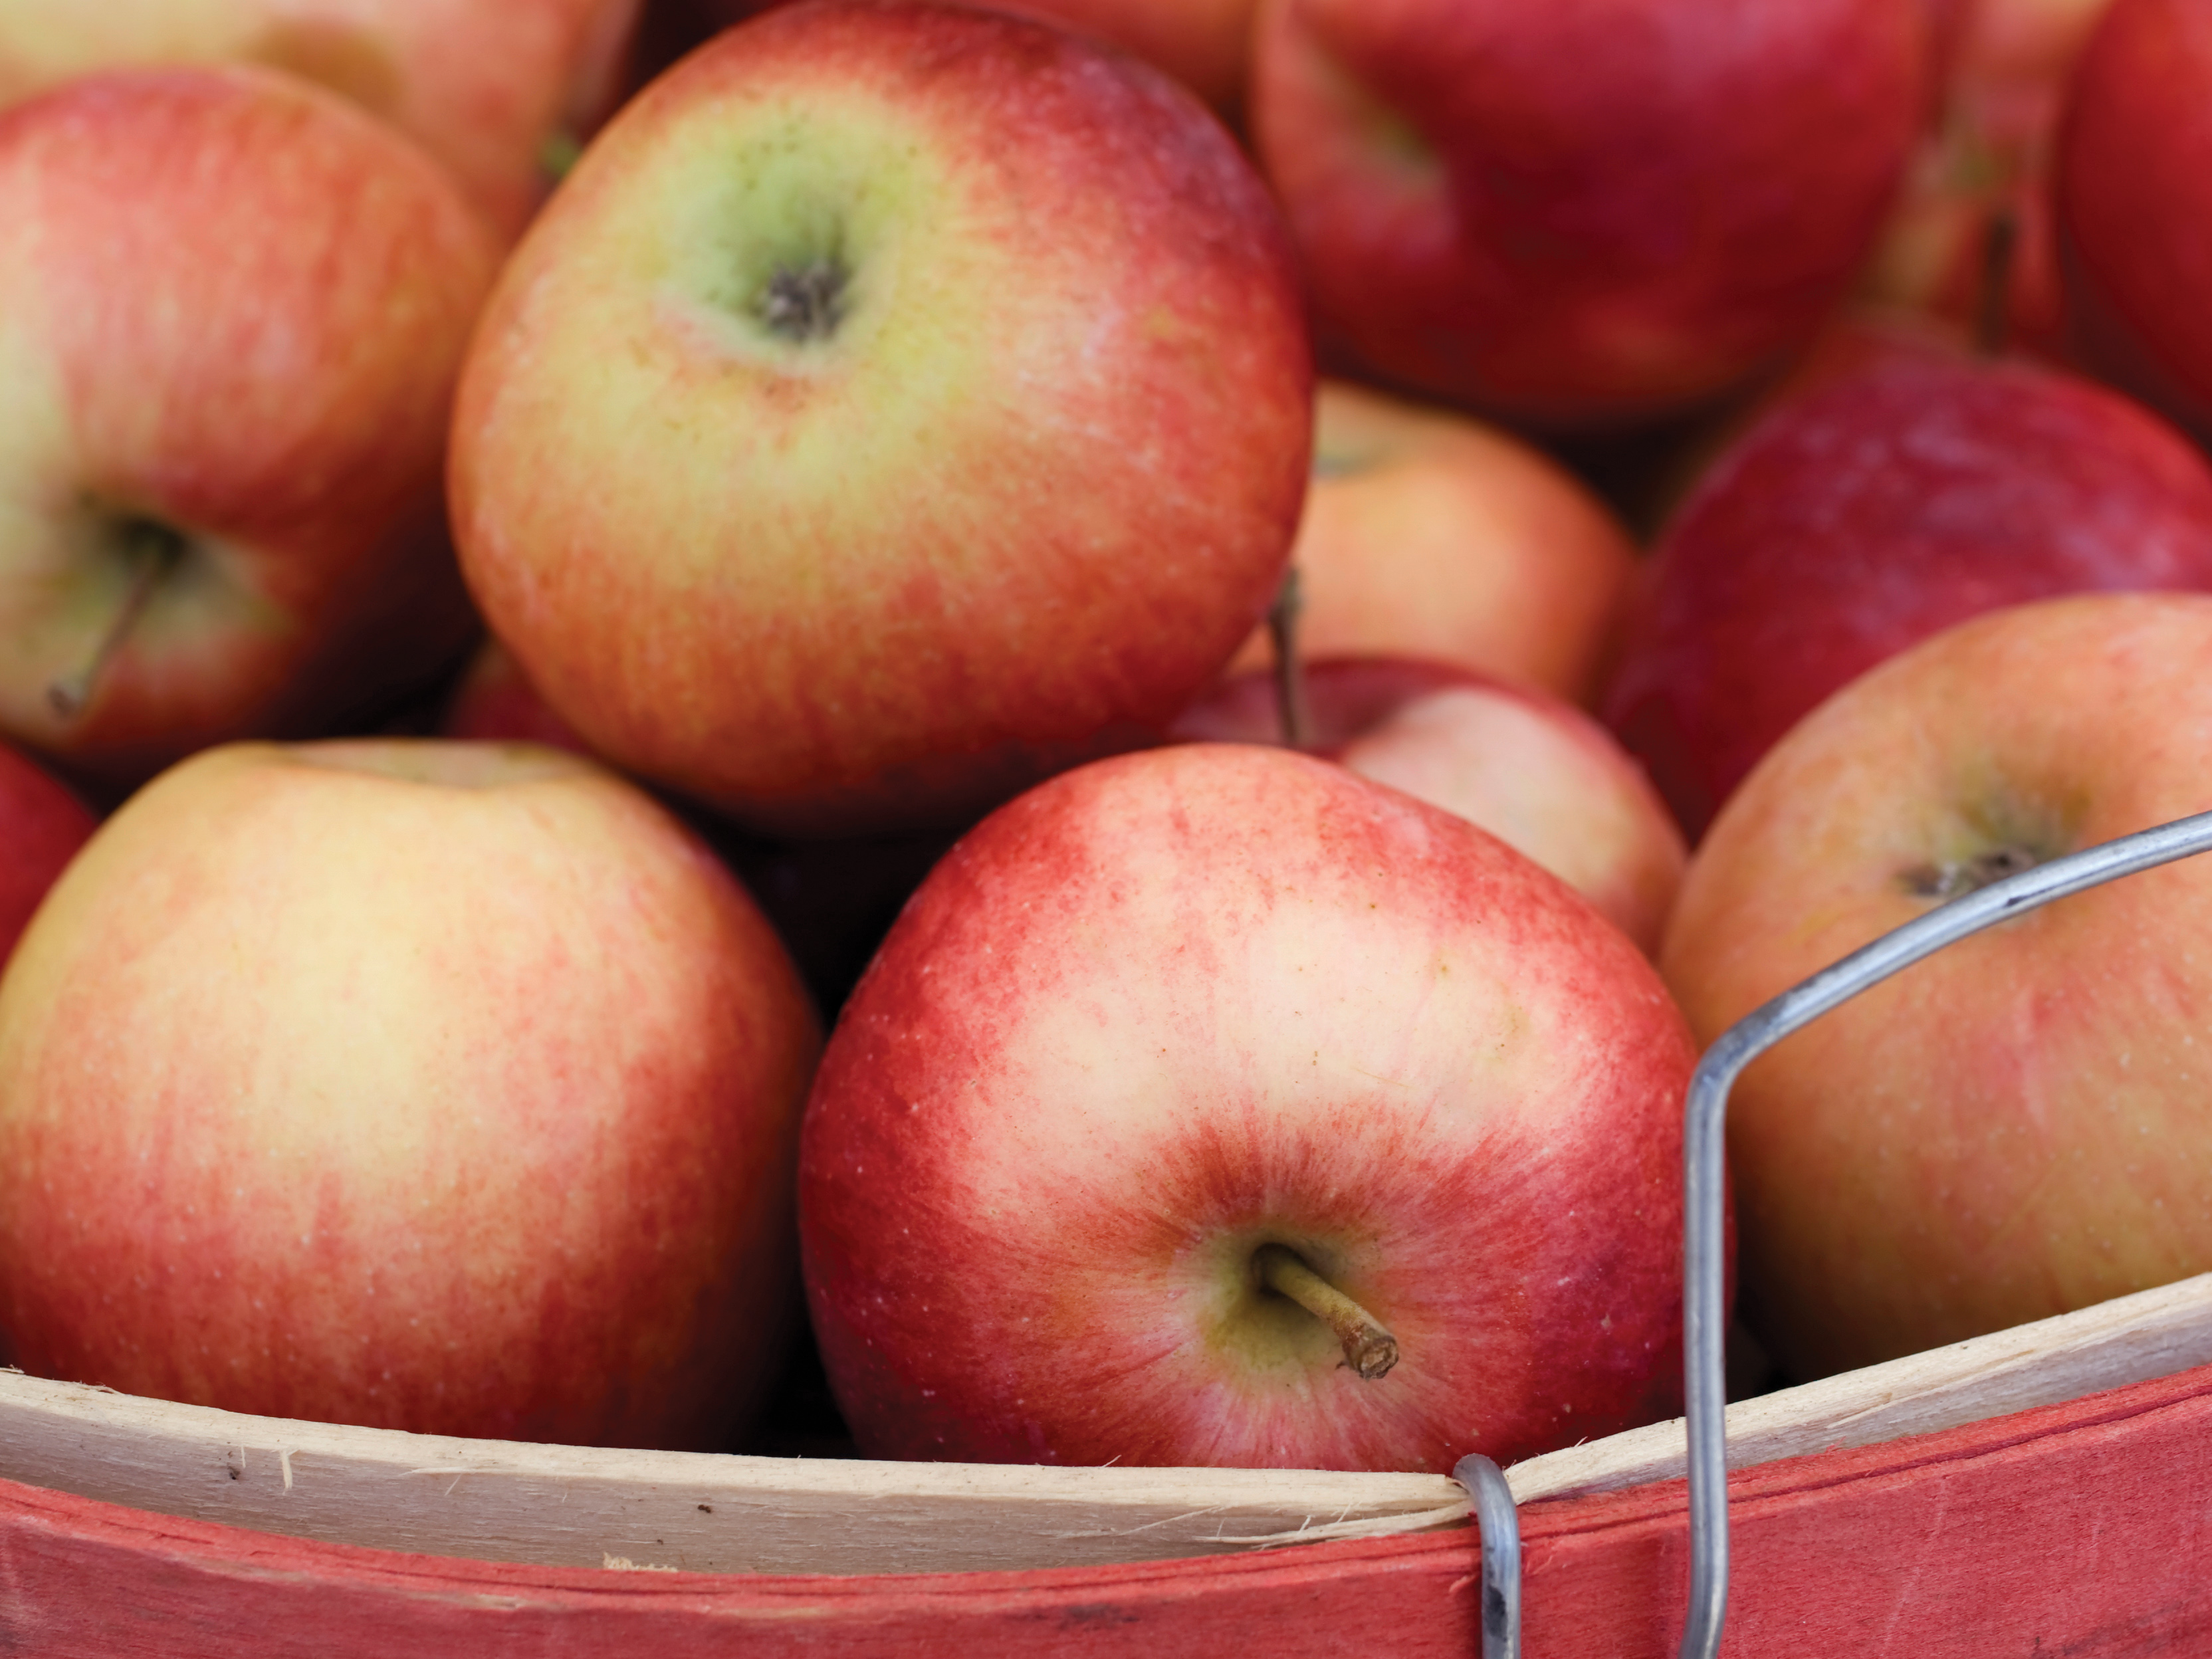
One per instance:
(458,1097)
(2017,1126)
(1870,513)
(1172,1006)
(1010,516)
(2135,192)
(1582,212)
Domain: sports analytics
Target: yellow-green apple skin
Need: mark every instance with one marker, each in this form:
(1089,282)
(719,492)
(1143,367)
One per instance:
(1171,1008)
(433,1086)
(2015,1128)
(484,85)
(1430,534)
(896,404)
(233,309)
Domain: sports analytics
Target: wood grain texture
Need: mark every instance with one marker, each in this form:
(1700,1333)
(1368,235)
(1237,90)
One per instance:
(571,1506)
(2078,1529)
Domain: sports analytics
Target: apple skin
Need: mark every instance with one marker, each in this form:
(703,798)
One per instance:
(483,85)
(1172,1005)
(174,241)
(2015,1128)
(2135,192)
(1010,511)
(483,1127)
(1429,534)
(42,825)
(1872,512)
(1537,772)
(1586,212)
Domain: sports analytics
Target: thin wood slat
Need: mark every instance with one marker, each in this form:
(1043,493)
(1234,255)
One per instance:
(559,1505)
(2077,1528)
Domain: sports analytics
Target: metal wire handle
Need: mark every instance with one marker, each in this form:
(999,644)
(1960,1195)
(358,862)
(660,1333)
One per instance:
(1703,1312)
(1500,1526)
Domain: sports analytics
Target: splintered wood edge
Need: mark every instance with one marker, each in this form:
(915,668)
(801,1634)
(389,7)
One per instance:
(575,1506)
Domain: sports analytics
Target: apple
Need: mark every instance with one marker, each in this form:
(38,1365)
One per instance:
(1972,237)
(2135,192)
(1212,1105)
(1585,212)
(1429,534)
(1875,511)
(233,309)
(1537,772)
(42,825)
(490,87)
(494,702)
(447,1087)
(896,404)
(2015,1128)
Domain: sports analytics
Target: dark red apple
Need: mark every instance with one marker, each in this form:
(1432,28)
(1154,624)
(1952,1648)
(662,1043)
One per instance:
(2135,199)
(1870,513)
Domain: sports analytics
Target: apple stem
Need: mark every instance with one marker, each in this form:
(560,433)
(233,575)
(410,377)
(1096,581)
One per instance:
(1290,672)
(155,550)
(1992,318)
(1368,1348)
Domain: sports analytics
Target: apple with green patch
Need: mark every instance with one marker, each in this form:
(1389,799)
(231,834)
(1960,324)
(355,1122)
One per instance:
(897,403)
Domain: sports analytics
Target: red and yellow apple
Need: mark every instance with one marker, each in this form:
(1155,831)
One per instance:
(233,310)
(485,85)
(1193,1086)
(446,1087)
(896,404)
(1428,534)
(2015,1128)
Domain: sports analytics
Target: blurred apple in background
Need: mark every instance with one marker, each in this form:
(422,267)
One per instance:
(1427,534)
(484,1126)
(1540,774)
(2135,183)
(1195,1087)
(233,309)
(2016,1127)
(42,825)
(1585,212)
(1972,237)
(1874,512)
(494,702)
(896,404)
(486,86)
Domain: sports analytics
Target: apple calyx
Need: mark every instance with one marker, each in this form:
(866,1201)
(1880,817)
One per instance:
(1955,880)
(152,551)
(805,301)
(1369,1349)
(1290,670)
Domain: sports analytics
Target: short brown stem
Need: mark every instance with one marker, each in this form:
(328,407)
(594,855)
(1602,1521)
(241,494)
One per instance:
(1993,315)
(1290,672)
(154,551)
(1368,1348)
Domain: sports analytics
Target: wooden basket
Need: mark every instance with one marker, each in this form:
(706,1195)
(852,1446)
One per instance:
(2040,1490)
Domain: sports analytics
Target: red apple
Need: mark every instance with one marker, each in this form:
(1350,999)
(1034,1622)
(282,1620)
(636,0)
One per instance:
(1972,237)
(1428,534)
(1585,211)
(42,825)
(1167,1026)
(447,1087)
(2015,1128)
(1540,774)
(2135,192)
(486,86)
(495,702)
(897,403)
(231,313)
(1872,512)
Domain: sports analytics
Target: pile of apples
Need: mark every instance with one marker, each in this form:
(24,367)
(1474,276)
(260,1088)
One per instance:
(954,702)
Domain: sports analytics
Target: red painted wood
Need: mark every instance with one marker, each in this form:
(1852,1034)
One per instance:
(2079,1530)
